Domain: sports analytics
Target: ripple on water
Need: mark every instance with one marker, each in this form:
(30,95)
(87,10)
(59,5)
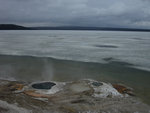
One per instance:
(106,46)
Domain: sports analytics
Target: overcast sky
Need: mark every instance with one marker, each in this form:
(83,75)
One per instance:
(105,13)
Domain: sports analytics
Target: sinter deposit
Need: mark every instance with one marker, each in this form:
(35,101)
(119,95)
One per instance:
(83,96)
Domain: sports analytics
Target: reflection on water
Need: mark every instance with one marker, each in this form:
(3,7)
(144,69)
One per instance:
(43,69)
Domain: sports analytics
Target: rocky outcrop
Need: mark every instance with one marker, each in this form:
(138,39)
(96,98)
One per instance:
(83,96)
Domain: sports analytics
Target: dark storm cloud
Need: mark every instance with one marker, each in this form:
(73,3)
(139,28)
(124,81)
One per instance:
(114,13)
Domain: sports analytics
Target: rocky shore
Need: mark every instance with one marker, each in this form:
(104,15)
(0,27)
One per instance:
(83,96)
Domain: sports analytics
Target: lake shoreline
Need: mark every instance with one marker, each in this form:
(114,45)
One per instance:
(33,69)
(82,96)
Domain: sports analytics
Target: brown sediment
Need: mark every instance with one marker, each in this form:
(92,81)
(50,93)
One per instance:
(11,87)
(16,86)
(123,89)
(34,94)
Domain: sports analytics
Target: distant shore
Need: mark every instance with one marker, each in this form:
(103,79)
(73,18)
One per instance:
(18,27)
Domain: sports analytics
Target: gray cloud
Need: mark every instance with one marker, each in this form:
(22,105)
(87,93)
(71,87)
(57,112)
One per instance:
(113,13)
